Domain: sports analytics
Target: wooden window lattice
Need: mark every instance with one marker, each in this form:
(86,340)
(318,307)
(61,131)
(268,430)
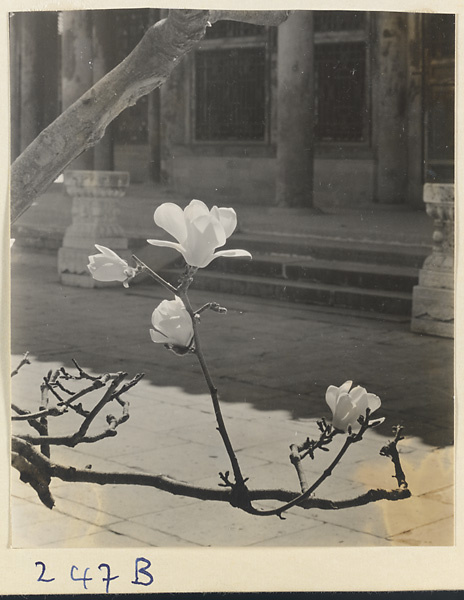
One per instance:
(230,94)
(340,92)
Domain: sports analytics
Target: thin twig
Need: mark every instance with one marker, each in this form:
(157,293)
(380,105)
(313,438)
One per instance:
(239,479)
(80,437)
(82,374)
(107,397)
(214,306)
(308,447)
(154,275)
(53,411)
(24,361)
(32,422)
(295,459)
(391,451)
(350,439)
(44,447)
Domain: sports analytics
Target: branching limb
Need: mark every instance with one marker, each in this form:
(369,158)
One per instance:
(214,306)
(32,422)
(31,459)
(24,361)
(391,450)
(84,123)
(350,439)
(81,373)
(80,436)
(37,478)
(54,411)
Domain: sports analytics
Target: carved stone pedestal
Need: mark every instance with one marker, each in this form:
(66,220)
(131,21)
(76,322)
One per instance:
(433,298)
(95,213)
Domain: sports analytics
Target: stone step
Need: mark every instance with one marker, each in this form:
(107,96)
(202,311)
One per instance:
(322,294)
(313,270)
(334,248)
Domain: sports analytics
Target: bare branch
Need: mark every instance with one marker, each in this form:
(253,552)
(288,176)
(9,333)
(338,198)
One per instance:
(391,451)
(35,477)
(255,17)
(26,413)
(181,488)
(295,459)
(107,397)
(145,268)
(54,411)
(24,361)
(84,123)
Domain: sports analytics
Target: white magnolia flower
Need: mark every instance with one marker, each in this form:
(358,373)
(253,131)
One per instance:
(198,231)
(172,324)
(347,406)
(108,266)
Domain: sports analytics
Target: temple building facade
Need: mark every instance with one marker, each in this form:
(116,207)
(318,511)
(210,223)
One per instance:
(330,111)
(332,108)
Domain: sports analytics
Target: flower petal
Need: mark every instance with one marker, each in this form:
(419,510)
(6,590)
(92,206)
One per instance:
(107,252)
(228,219)
(171,218)
(158,337)
(195,209)
(166,244)
(108,272)
(373,402)
(357,393)
(331,397)
(202,241)
(345,387)
(231,254)
(345,413)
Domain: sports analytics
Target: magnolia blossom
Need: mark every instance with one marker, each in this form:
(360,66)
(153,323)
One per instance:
(108,266)
(347,406)
(198,231)
(172,324)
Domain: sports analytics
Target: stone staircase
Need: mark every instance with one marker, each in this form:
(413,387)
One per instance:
(360,275)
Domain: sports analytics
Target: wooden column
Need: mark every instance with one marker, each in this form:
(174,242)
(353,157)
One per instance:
(34,77)
(30,119)
(415,112)
(392,117)
(77,66)
(295,98)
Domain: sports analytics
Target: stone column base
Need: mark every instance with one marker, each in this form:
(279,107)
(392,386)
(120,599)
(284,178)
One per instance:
(95,212)
(433,311)
(433,298)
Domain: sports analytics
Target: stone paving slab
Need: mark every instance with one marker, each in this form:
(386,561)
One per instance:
(121,501)
(229,527)
(272,364)
(325,535)
(439,533)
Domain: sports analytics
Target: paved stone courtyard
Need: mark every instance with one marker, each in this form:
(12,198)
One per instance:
(272,363)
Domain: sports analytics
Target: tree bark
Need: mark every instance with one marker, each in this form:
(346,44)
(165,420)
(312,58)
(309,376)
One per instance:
(83,124)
